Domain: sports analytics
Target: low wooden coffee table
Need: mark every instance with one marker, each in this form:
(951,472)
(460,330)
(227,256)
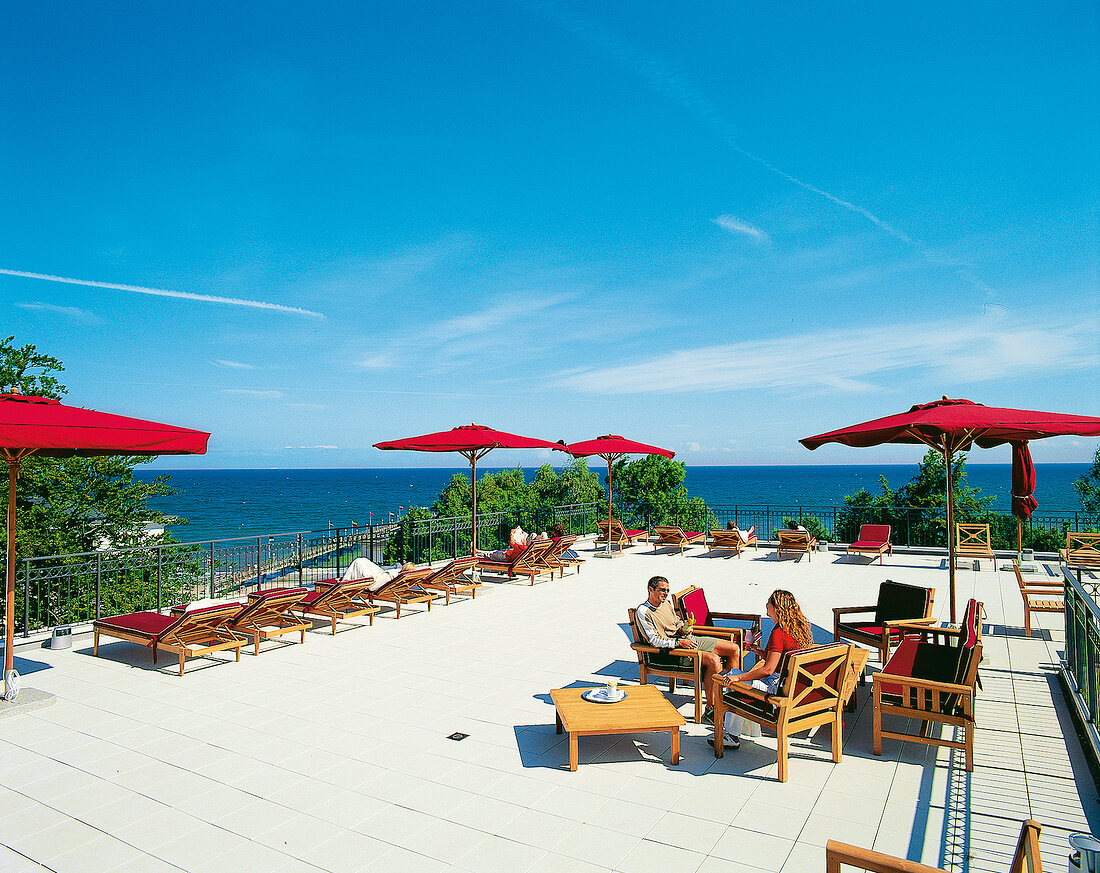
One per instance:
(645,709)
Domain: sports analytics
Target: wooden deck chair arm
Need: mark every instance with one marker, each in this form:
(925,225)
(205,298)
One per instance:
(852,610)
(915,683)
(752,617)
(929,633)
(915,623)
(746,690)
(1044,588)
(837,853)
(720,633)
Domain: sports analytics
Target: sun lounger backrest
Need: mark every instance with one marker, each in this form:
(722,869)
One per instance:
(874,533)
(198,622)
(403,580)
(268,603)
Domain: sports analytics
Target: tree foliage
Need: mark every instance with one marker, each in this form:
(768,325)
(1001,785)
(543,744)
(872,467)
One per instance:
(72,504)
(650,491)
(1088,489)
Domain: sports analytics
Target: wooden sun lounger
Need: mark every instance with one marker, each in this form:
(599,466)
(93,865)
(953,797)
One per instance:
(1082,550)
(404,589)
(527,563)
(453,579)
(796,541)
(731,540)
(338,600)
(973,541)
(555,556)
(269,614)
(676,537)
(620,535)
(187,634)
(874,539)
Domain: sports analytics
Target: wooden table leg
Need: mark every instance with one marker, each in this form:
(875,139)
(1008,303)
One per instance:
(557,722)
(573,754)
(675,745)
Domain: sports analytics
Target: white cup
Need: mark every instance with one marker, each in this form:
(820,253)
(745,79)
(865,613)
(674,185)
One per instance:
(612,689)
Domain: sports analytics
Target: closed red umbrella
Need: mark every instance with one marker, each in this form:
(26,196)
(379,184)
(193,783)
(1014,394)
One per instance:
(611,447)
(473,442)
(44,426)
(1023,488)
(950,426)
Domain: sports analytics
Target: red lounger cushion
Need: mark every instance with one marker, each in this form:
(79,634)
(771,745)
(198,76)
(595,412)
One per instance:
(149,624)
(867,544)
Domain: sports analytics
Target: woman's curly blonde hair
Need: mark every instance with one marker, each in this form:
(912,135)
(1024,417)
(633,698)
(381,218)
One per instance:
(788,615)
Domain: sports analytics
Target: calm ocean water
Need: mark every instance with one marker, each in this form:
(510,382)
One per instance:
(229,503)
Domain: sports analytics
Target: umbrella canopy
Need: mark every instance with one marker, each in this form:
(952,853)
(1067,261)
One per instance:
(473,442)
(611,447)
(44,426)
(954,425)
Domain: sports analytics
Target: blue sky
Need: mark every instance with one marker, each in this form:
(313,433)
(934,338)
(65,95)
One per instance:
(716,227)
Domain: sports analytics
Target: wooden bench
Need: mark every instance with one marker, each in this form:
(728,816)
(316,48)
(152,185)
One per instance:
(1039,596)
(1082,550)
(973,541)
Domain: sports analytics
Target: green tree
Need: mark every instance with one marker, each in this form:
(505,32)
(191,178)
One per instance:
(67,505)
(1088,489)
(650,491)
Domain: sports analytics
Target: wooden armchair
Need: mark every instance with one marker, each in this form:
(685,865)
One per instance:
(668,663)
(932,678)
(619,535)
(811,694)
(796,541)
(732,540)
(973,541)
(676,537)
(879,625)
(1026,860)
(1082,550)
(1039,595)
(692,603)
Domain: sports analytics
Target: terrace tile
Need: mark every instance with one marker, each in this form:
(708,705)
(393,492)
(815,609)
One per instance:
(142,770)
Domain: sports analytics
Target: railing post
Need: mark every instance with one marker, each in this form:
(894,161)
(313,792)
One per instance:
(98,580)
(26,599)
(160,564)
(337,553)
(211,570)
(300,569)
(259,561)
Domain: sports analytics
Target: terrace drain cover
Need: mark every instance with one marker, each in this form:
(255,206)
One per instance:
(457,735)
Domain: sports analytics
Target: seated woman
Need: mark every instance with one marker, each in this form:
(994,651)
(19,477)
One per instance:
(518,540)
(791,632)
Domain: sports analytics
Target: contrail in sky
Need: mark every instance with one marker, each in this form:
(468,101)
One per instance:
(159,292)
(673,84)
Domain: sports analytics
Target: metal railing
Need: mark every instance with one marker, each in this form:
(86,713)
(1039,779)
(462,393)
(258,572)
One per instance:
(71,589)
(1082,659)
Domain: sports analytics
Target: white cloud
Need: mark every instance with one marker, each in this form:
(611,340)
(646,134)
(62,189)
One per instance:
(856,360)
(258,393)
(233,365)
(65,311)
(160,292)
(735,225)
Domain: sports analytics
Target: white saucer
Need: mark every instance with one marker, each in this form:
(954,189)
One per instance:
(600,695)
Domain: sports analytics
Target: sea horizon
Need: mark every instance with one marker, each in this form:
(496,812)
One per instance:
(246,501)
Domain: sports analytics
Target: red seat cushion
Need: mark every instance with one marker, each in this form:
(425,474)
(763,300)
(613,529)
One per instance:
(867,544)
(146,623)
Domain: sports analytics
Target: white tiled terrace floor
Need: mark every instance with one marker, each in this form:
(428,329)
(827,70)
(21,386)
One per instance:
(334,755)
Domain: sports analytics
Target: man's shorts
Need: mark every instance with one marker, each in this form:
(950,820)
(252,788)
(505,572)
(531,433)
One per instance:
(685,662)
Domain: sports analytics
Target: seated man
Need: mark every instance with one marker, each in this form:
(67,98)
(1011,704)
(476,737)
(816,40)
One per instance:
(663,629)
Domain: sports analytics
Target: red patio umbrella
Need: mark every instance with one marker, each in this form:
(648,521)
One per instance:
(44,426)
(950,426)
(1023,489)
(473,442)
(611,447)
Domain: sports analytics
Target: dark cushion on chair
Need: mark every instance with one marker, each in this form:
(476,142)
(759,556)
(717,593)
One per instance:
(742,704)
(897,600)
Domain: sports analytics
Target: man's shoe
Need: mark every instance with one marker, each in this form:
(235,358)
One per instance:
(708,715)
(728,742)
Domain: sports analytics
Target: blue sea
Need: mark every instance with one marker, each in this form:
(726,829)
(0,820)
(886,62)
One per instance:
(230,503)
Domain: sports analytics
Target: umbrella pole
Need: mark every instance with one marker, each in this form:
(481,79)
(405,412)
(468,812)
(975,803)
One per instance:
(950,532)
(473,503)
(609,506)
(9,566)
